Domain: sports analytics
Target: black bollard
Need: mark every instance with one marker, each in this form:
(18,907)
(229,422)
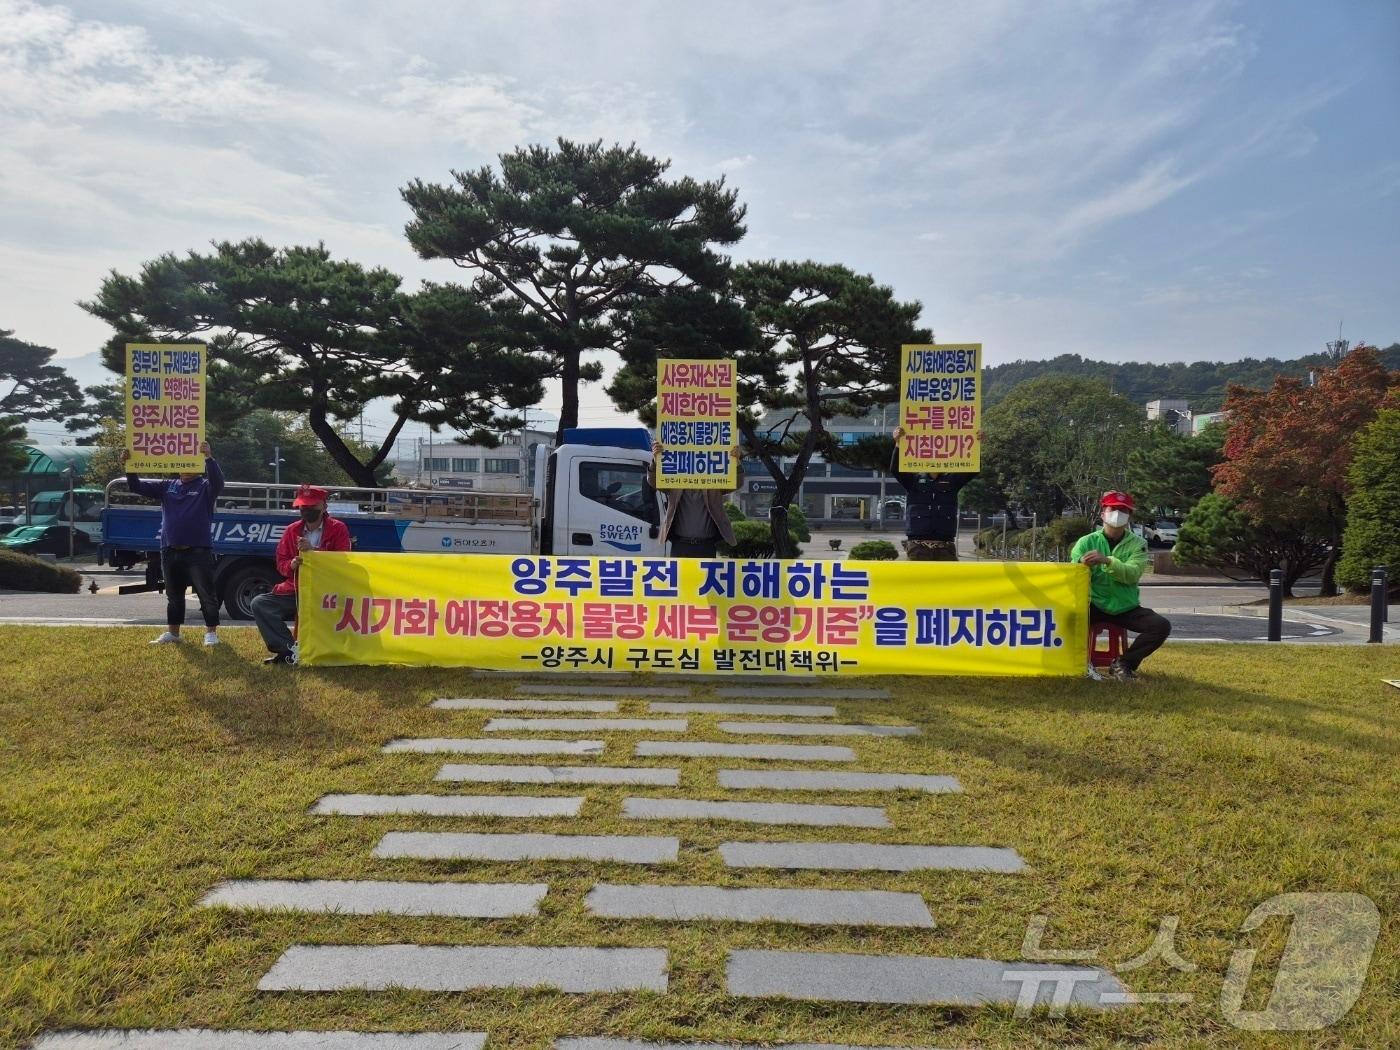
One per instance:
(1378,610)
(1275,605)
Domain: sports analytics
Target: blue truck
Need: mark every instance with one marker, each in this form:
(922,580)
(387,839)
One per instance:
(592,496)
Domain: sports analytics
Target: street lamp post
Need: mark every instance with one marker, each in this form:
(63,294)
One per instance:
(276,464)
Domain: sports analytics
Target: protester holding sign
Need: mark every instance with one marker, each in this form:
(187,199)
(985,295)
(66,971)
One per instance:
(186,560)
(695,521)
(165,406)
(940,408)
(315,531)
(931,519)
(1116,557)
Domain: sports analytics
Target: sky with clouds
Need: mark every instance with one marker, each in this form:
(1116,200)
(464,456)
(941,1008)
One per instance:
(1145,181)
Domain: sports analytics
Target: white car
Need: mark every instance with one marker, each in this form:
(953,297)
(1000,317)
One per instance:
(1161,533)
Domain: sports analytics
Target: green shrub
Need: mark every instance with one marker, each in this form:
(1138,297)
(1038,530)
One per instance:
(1372,537)
(23,572)
(1063,532)
(755,535)
(874,550)
(753,539)
(797,525)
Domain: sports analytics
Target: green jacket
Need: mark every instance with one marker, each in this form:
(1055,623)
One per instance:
(1113,586)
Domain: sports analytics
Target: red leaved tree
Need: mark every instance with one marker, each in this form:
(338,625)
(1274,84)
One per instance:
(1287,450)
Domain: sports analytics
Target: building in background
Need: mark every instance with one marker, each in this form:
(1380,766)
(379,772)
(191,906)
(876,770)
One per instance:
(1201,420)
(1175,412)
(453,465)
(830,493)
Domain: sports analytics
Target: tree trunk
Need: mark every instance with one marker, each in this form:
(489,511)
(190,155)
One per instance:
(568,383)
(1329,567)
(362,475)
(778,522)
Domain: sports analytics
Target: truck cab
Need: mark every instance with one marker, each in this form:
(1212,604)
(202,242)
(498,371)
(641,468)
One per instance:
(595,494)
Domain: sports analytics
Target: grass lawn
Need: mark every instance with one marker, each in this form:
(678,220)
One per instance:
(134,779)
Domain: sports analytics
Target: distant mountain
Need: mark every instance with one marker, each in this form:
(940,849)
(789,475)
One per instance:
(1202,383)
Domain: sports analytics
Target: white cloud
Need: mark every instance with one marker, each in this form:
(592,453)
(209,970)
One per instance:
(56,67)
(735,163)
(478,110)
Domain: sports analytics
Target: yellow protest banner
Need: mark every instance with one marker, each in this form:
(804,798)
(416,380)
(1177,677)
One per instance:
(667,615)
(698,425)
(164,407)
(940,408)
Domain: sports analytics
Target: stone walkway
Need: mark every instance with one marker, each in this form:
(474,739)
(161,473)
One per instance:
(583,969)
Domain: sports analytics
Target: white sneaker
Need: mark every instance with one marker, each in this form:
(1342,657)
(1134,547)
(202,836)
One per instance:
(210,638)
(294,654)
(166,639)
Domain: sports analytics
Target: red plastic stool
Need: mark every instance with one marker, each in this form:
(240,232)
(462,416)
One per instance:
(1117,643)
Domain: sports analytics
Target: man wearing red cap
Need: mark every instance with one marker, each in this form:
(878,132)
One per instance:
(1116,558)
(315,531)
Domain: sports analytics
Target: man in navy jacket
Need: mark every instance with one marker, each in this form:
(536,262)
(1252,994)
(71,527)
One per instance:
(186,560)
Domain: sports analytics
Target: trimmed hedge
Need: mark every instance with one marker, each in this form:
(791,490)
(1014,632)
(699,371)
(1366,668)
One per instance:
(23,572)
(874,550)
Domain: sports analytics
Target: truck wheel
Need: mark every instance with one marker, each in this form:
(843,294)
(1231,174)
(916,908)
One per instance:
(245,584)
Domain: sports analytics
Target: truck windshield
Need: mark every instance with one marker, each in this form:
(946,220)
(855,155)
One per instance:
(622,487)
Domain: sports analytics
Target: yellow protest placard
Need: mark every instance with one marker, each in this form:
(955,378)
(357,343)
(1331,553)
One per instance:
(165,407)
(940,408)
(668,615)
(698,424)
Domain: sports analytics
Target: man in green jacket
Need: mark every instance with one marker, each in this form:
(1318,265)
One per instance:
(1116,559)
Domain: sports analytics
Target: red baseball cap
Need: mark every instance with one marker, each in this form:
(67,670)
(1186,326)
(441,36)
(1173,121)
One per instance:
(310,496)
(1118,499)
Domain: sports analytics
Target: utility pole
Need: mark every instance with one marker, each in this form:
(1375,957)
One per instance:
(884,474)
(276,464)
(524,436)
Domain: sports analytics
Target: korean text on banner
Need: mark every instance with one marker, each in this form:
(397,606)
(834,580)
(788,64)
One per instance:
(940,408)
(693,615)
(165,407)
(697,419)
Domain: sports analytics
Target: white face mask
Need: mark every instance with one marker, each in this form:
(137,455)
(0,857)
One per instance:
(1116,518)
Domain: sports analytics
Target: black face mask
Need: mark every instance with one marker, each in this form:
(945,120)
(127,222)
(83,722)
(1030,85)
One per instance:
(310,516)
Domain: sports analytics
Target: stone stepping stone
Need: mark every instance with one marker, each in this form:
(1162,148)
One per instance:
(329,968)
(210,1039)
(498,746)
(868,856)
(448,805)
(597,707)
(803,692)
(587,725)
(559,775)
(448,845)
(596,1043)
(823,780)
(754,812)
(777,752)
(776,710)
(604,690)
(840,978)
(803,907)
(814,729)
(461,899)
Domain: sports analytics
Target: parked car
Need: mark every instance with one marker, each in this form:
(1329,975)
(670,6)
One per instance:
(1161,533)
(45,539)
